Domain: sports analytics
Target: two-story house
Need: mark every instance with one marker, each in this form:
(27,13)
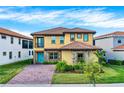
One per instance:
(14,47)
(70,45)
(113,44)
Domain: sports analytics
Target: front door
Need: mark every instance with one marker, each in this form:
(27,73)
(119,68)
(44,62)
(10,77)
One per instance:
(40,57)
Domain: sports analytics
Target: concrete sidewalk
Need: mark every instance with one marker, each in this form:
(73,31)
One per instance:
(62,85)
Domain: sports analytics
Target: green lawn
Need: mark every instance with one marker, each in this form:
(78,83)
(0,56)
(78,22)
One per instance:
(8,71)
(113,74)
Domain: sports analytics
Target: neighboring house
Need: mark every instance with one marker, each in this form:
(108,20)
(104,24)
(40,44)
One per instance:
(113,44)
(70,45)
(14,47)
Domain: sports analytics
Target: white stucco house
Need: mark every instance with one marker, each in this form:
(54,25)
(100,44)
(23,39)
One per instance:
(14,47)
(113,44)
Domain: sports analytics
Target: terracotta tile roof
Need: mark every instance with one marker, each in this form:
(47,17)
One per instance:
(117,33)
(75,45)
(62,30)
(78,45)
(121,47)
(11,33)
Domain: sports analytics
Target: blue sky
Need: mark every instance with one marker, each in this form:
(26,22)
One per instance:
(27,20)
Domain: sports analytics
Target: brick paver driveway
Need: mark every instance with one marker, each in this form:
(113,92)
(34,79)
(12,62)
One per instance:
(34,74)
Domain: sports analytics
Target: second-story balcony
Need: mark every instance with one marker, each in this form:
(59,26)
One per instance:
(39,45)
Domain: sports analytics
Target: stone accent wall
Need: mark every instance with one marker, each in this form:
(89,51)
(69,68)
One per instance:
(87,55)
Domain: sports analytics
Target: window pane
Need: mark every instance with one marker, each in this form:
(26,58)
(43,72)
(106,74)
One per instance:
(85,37)
(24,44)
(55,55)
(11,40)
(4,53)
(80,57)
(53,39)
(61,39)
(3,36)
(72,36)
(29,53)
(32,52)
(19,54)
(119,41)
(30,44)
(19,41)
(50,55)
(79,36)
(40,42)
(10,55)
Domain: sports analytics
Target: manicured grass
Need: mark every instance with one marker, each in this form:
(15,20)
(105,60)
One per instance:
(112,74)
(8,71)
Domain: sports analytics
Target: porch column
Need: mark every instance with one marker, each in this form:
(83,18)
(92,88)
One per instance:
(74,57)
(34,58)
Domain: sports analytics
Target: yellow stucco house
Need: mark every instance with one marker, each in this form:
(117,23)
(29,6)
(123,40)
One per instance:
(69,45)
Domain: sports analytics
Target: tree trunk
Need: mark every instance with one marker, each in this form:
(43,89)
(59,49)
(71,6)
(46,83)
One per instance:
(93,80)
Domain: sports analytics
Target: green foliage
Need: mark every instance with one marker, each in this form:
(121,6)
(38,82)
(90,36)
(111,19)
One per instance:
(61,66)
(69,68)
(116,62)
(112,74)
(101,59)
(76,67)
(79,67)
(81,61)
(50,62)
(91,70)
(100,55)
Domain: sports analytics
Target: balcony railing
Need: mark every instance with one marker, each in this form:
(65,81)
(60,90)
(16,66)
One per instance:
(39,45)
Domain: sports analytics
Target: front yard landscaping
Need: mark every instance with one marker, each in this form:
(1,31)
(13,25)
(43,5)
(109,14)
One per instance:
(112,74)
(8,71)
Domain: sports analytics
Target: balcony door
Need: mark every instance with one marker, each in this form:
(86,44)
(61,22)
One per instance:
(40,42)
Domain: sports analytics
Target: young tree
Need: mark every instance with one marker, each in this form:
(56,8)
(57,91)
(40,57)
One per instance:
(91,70)
(101,58)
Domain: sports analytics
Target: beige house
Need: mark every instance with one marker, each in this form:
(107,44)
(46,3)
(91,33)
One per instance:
(70,45)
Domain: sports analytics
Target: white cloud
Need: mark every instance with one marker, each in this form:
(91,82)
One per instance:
(96,17)
(26,33)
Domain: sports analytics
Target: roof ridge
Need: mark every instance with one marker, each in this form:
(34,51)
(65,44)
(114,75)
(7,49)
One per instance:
(112,33)
(13,32)
(50,29)
(62,30)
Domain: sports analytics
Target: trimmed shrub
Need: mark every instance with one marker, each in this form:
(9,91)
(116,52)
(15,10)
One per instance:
(116,62)
(79,67)
(76,67)
(61,66)
(82,61)
(69,68)
(50,62)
